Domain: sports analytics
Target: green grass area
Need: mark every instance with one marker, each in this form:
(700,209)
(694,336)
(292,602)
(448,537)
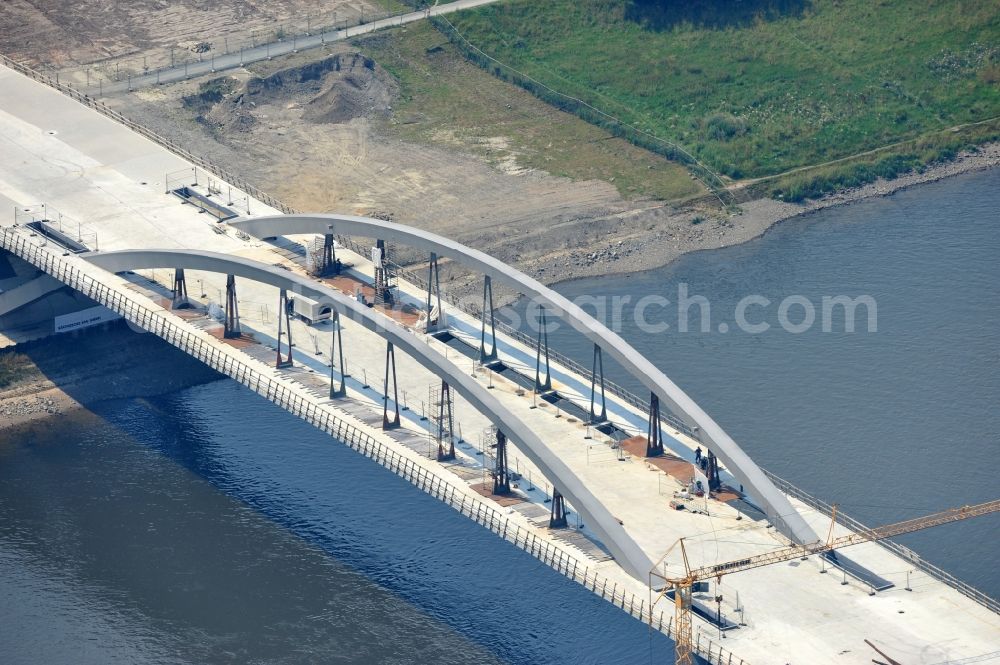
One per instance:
(759,87)
(896,160)
(394,6)
(445,100)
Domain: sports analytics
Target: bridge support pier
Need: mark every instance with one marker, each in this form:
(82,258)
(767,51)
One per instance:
(501,475)
(384,277)
(329,264)
(284,328)
(542,350)
(445,431)
(390,369)
(433,292)
(557,518)
(337,353)
(232,326)
(487,356)
(597,381)
(654,441)
(180,295)
(714,482)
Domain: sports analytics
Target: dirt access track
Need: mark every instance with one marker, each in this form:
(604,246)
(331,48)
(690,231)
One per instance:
(64,34)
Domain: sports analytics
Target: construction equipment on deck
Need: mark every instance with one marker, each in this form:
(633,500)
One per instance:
(682,586)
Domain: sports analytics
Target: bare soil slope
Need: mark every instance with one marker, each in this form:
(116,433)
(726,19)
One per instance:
(356,88)
(333,90)
(312,131)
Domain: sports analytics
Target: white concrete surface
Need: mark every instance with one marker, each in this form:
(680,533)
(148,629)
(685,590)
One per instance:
(94,170)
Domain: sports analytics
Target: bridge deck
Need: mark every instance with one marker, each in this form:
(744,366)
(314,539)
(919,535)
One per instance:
(93,169)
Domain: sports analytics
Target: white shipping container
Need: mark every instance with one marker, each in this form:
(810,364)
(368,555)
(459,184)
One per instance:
(310,310)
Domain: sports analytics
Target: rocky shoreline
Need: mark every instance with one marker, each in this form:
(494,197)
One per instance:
(632,250)
(37,402)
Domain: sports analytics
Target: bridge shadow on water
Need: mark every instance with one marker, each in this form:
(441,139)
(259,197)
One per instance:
(351,509)
(378,524)
(114,361)
(662,15)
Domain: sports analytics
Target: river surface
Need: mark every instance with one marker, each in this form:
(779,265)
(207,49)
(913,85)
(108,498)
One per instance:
(210,526)
(890,424)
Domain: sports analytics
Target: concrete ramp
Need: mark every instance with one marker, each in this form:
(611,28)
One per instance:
(857,571)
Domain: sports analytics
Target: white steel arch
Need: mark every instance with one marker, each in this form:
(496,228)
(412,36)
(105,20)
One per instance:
(776,505)
(608,529)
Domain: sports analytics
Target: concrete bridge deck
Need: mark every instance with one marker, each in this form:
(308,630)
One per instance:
(95,170)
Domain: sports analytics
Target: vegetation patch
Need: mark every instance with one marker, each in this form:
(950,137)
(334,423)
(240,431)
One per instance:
(753,88)
(724,126)
(445,100)
(889,163)
(15,367)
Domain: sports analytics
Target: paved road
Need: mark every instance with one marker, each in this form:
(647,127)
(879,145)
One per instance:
(217,63)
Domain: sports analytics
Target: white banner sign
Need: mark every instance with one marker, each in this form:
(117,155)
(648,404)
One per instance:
(85,318)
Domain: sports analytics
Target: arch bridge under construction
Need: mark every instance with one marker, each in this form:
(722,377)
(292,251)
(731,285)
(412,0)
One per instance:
(313,312)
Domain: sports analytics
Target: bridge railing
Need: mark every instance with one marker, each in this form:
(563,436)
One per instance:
(252,375)
(788,488)
(613,388)
(901,550)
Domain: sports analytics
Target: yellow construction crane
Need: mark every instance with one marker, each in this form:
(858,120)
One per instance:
(682,586)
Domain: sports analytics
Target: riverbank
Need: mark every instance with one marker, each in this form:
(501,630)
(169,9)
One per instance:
(554,228)
(691,230)
(541,205)
(65,373)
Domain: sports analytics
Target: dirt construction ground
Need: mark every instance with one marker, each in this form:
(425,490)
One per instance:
(321,132)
